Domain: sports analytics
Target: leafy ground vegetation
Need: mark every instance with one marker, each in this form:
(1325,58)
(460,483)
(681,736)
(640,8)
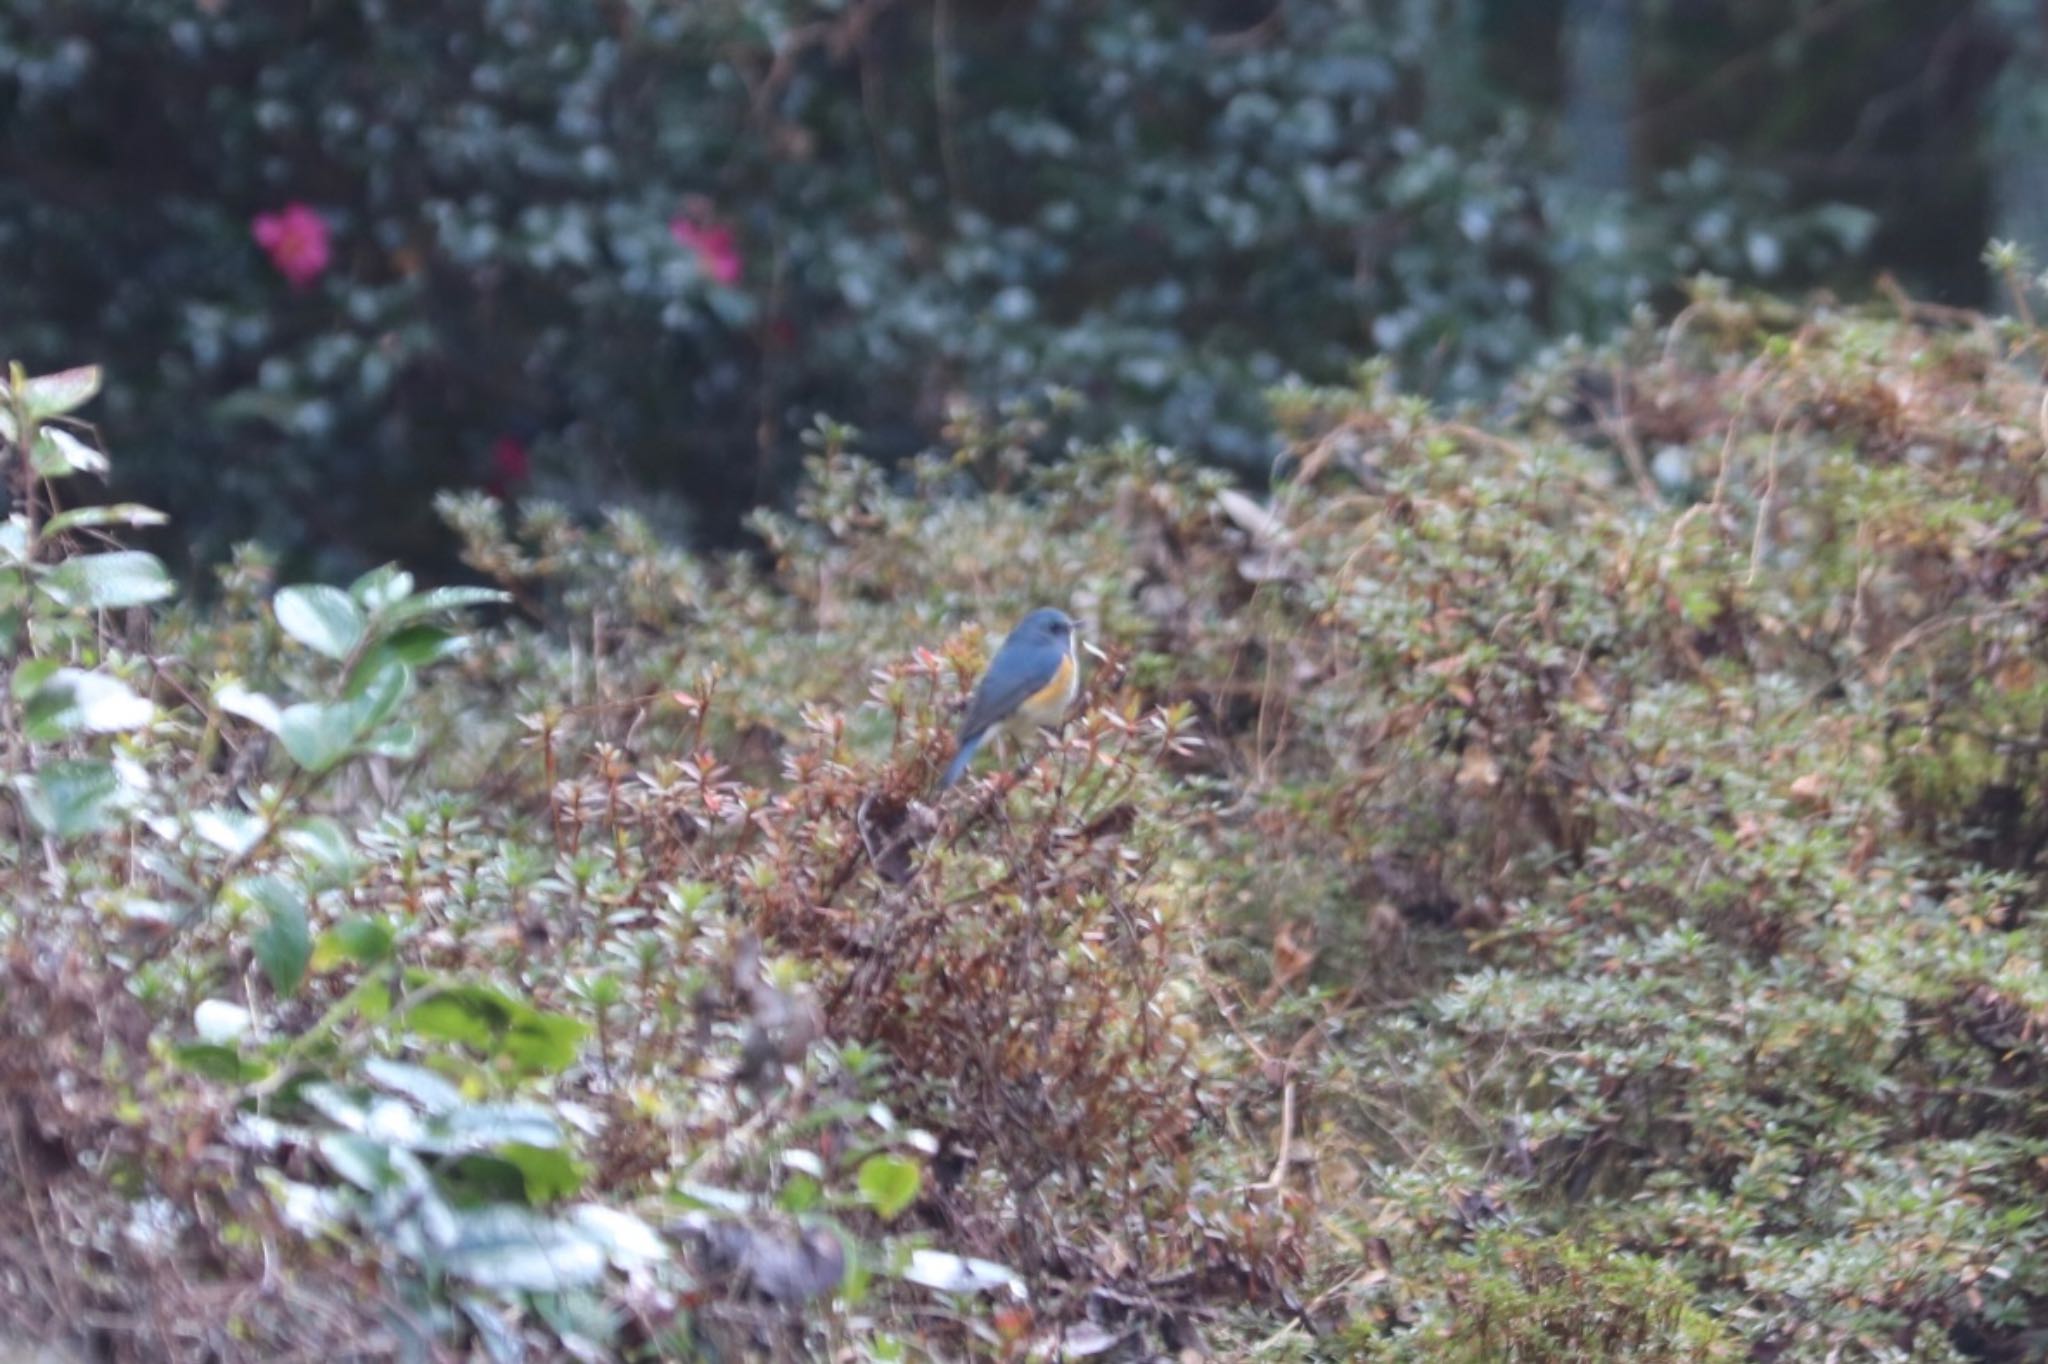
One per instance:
(1560,883)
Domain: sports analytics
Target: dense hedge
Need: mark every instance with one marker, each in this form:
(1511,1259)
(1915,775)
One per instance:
(346,254)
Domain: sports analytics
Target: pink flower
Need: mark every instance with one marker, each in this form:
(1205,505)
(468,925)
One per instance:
(511,466)
(296,239)
(718,256)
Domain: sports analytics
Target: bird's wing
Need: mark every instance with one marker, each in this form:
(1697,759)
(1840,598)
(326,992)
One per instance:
(991,705)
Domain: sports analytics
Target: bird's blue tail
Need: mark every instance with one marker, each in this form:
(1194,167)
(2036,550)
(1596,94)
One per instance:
(968,747)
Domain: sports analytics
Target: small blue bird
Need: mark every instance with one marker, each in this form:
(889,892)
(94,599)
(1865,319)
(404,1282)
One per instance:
(1032,679)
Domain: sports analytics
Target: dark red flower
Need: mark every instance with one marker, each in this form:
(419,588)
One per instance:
(511,466)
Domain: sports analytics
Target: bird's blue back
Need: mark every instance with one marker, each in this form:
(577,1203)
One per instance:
(1028,661)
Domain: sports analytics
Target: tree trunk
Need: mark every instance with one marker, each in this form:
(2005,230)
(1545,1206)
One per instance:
(2016,133)
(1599,100)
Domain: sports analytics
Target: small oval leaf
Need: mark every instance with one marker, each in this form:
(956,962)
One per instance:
(888,1184)
(106,582)
(322,618)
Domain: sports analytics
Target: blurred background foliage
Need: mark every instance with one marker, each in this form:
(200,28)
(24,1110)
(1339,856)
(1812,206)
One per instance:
(341,254)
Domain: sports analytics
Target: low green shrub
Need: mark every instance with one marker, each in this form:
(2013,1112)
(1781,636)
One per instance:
(1560,887)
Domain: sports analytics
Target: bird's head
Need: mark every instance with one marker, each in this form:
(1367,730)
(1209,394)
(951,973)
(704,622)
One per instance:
(1046,625)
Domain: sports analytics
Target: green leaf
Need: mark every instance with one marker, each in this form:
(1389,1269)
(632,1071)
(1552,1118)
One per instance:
(473,1015)
(284,944)
(365,939)
(544,1043)
(800,1193)
(443,599)
(218,1062)
(31,673)
(492,1022)
(106,582)
(119,514)
(71,799)
(319,734)
(323,845)
(419,645)
(59,454)
(515,1250)
(549,1173)
(481,1178)
(53,395)
(400,740)
(322,618)
(72,701)
(888,1184)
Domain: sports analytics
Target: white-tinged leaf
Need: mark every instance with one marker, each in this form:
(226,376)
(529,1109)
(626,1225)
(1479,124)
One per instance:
(71,799)
(946,1273)
(234,832)
(1086,1340)
(119,514)
(381,587)
(399,740)
(479,1127)
(797,1158)
(77,701)
(395,1123)
(221,1022)
(443,599)
(358,1160)
(628,1240)
(323,844)
(106,582)
(338,1105)
(307,1209)
(139,909)
(253,706)
(53,395)
(322,618)
(514,1250)
(59,454)
(711,1196)
(425,1088)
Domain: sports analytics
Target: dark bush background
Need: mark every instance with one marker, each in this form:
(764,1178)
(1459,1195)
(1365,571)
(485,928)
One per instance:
(1163,206)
